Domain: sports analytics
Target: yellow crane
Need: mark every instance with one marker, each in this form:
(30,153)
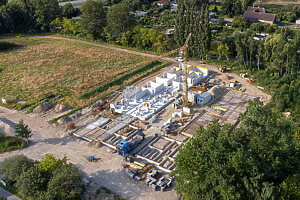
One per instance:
(185,85)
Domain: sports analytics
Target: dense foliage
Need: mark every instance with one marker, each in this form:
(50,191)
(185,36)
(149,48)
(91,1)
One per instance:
(93,18)
(14,166)
(251,161)
(49,179)
(235,7)
(193,17)
(119,20)
(9,143)
(289,14)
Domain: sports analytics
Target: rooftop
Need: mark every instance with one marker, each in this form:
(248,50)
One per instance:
(259,16)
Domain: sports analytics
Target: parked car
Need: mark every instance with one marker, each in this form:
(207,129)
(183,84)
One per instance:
(180,59)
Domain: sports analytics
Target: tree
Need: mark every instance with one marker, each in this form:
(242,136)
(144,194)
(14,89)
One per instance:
(68,11)
(93,18)
(22,130)
(223,50)
(31,182)
(290,188)
(237,163)
(65,184)
(235,7)
(45,12)
(119,20)
(18,16)
(193,17)
(239,22)
(3,2)
(49,163)
(14,166)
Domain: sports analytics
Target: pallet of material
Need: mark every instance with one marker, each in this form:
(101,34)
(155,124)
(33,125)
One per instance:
(96,134)
(161,144)
(126,131)
(82,132)
(168,164)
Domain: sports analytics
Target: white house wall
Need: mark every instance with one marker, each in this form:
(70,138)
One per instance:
(129,94)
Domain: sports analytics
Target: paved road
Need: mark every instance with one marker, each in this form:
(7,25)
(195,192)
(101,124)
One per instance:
(9,196)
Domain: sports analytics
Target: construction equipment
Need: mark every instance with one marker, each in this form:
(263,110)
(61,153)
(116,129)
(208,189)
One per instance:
(222,69)
(124,147)
(185,85)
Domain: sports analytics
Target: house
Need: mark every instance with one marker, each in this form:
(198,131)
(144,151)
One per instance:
(298,21)
(160,3)
(256,14)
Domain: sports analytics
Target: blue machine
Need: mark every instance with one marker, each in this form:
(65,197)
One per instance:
(124,147)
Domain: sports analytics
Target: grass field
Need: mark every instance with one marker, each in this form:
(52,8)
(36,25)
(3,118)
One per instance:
(38,66)
(276,3)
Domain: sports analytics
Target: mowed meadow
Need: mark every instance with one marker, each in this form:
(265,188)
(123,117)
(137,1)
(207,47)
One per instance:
(38,66)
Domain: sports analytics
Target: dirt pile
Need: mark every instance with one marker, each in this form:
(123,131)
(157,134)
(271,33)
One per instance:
(61,108)
(44,107)
(64,120)
(7,127)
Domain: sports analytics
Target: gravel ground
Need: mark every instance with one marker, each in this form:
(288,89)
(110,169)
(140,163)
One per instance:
(107,172)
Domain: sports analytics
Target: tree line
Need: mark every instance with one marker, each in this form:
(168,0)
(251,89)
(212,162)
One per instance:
(48,179)
(258,160)
(278,53)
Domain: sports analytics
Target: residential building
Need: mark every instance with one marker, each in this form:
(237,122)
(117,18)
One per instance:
(257,14)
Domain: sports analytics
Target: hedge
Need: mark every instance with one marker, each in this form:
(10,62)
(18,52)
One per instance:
(119,80)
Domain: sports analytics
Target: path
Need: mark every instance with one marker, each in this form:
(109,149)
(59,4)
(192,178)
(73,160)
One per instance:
(105,46)
(7,195)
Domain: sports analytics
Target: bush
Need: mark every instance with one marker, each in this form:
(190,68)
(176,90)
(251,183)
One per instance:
(14,166)
(9,143)
(31,182)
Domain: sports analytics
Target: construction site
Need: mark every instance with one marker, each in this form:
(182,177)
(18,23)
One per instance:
(148,124)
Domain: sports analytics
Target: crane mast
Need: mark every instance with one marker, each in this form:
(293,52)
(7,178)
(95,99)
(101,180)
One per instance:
(185,85)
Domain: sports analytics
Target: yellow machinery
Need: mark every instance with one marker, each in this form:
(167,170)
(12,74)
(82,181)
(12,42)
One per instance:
(185,85)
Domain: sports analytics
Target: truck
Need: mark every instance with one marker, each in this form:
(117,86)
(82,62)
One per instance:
(124,147)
